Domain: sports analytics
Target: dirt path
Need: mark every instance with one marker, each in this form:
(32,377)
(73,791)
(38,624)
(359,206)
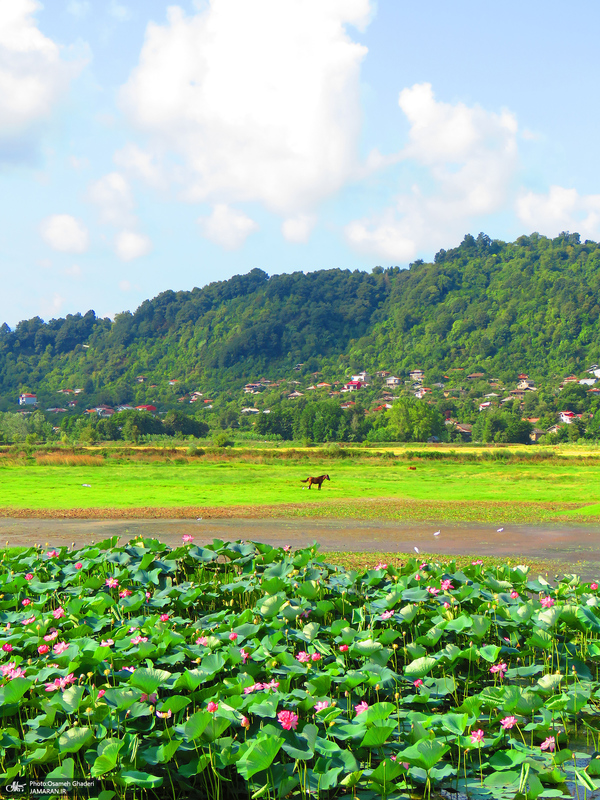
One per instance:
(567,544)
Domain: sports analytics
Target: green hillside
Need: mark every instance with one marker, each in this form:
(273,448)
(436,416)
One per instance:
(490,306)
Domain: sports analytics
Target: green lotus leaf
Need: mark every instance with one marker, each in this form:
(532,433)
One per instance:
(74,739)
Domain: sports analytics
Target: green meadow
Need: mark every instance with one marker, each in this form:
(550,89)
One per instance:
(537,490)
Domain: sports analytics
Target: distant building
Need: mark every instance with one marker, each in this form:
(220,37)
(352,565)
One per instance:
(27,399)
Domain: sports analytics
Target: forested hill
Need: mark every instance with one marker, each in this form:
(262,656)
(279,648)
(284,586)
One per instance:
(531,305)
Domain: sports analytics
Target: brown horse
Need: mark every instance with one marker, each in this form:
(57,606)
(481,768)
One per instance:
(317,481)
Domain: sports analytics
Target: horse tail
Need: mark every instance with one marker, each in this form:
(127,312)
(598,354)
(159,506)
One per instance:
(304,480)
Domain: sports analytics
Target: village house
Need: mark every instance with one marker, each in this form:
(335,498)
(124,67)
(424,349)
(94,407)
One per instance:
(536,434)
(422,391)
(392,381)
(173,382)
(587,381)
(474,376)
(348,404)
(65,391)
(27,399)
(146,407)
(382,373)
(57,410)
(526,384)
(250,411)
(362,377)
(416,375)
(353,386)
(295,394)
(483,406)
(566,417)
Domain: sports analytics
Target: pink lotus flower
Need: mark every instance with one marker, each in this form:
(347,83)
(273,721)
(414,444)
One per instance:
(271,685)
(245,655)
(321,705)
(303,657)
(6,668)
(17,672)
(233,636)
(547,602)
(186,538)
(202,640)
(548,744)
(343,648)
(52,554)
(164,617)
(315,657)
(387,614)
(446,605)
(26,602)
(446,585)
(50,637)
(288,720)
(514,595)
(107,643)
(501,668)
(125,593)
(593,586)
(58,612)
(245,723)
(418,683)
(7,648)
(423,565)
(148,595)
(381,565)
(112,583)
(432,590)
(287,548)
(476,736)
(256,687)
(78,565)
(477,563)
(29,620)
(29,576)
(212,707)
(164,715)
(43,649)
(508,722)
(361,708)
(417,577)
(59,648)
(139,639)
(101,693)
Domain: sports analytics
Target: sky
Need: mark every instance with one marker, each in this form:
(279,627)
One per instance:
(147,146)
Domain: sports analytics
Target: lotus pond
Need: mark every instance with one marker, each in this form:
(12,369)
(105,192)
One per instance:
(241,670)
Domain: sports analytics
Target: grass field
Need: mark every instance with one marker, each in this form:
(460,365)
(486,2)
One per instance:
(435,490)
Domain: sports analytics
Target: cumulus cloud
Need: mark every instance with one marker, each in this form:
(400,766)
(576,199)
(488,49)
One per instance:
(559,210)
(65,233)
(297,229)
(466,157)
(255,101)
(227,227)
(130,245)
(32,73)
(114,199)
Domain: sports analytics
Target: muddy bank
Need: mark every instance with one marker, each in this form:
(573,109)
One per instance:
(557,542)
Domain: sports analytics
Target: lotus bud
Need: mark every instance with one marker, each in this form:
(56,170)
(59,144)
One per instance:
(346,693)
(397,695)
(107,672)
(376,687)
(89,710)
(332,723)
(274,662)
(394,646)
(90,674)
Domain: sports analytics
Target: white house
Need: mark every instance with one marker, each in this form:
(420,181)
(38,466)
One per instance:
(392,381)
(27,399)
(566,417)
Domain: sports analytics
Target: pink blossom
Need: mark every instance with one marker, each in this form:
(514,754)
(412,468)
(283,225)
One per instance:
(446,585)
(316,657)
(303,657)
(593,586)
(476,736)
(477,563)
(112,583)
(417,577)
(78,565)
(17,672)
(125,593)
(547,602)
(288,720)
(548,744)
(387,614)
(164,715)
(212,707)
(381,565)
(514,595)
(148,595)
(245,723)
(59,648)
(361,707)
(107,643)
(52,554)
(245,655)
(202,640)
(129,669)
(186,538)
(508,722)
(6,668)
(501,668)
(50,637)
(343,648)
(446,605)
(164,617)
(29,576)
(321,705)
(26,602)
(7,648)
(233,636)
(256,687)
(29,620)
(139,639)
(43,649)
(287,548)
(271,685)
(58,612)
(418,683)
(423,565)
(101,693)
(432,590)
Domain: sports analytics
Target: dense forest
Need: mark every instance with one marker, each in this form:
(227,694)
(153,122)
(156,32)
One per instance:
(487,306)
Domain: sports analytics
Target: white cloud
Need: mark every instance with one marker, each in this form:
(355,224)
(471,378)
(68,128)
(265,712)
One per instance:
(79,162)
(79,8)
(141,164)
(297,229)
(65,233)
(73,272)
(468,155)
(257,101)
(32,73)
(227,227)
(560,210)
(130,245)
(53,306)
(124,286)
(119,12)
(114,199)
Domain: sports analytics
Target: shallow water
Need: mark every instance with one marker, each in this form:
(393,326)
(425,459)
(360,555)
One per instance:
(565,543)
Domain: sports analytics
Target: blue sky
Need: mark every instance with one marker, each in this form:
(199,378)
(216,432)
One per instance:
(146,147)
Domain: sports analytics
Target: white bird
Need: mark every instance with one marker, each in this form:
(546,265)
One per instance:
(87,485)
(416,549)
(199,519)
(437,533)
(499,530)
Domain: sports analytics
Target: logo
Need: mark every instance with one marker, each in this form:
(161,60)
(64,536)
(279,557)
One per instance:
(14,787)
